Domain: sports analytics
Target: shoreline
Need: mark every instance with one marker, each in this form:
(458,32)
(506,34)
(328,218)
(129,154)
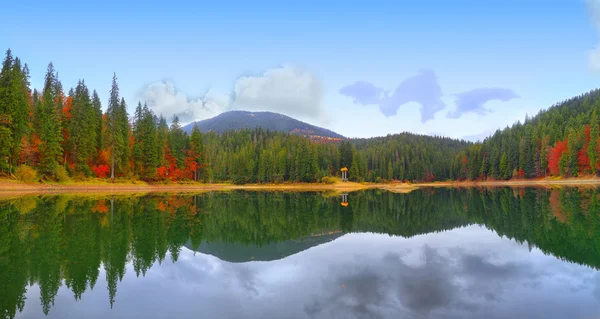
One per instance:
(12,187)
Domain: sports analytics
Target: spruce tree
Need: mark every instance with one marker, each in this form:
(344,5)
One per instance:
(114,134)
(125,129)
(98,122)
(162,135)
(504,167)
(139,139)
(177,139)
(14,109)
(198,153)
(50,136)
(593,145)
(354,171)
(83,128)
(6,102)
(150,143)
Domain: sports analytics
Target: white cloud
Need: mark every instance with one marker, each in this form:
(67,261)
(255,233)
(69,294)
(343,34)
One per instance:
(594,55)
(287,90)
(594,58)
(163,98)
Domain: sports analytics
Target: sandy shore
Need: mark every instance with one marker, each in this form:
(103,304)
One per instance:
(13,187)
(544,182)
(10,187)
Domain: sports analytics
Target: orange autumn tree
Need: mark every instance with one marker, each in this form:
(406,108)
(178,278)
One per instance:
(553,161)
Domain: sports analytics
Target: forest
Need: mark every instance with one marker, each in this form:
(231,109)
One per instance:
(560,141)
(55,134)
(54,241)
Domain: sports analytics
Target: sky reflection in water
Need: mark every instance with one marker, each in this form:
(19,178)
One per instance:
(465,272)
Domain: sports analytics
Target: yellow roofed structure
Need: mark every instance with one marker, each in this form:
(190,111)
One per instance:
(344,171)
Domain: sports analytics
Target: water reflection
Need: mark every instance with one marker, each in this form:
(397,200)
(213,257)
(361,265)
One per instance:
(138,255)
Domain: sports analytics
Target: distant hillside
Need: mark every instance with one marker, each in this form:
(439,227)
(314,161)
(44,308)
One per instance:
(237,120)
(239,253)
(563,140)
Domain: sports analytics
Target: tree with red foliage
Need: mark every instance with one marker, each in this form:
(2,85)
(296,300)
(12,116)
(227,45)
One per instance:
(101,170)
(553,162)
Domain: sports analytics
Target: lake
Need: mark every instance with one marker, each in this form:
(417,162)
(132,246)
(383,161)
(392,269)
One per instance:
(433,253)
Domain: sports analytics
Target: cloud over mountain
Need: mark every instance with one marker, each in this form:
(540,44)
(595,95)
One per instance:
(288,90)
(164,98)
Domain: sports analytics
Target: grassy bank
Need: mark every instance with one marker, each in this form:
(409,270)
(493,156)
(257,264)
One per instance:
(9,186)
(12,186)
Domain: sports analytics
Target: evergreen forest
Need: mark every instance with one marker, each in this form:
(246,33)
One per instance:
(56,134)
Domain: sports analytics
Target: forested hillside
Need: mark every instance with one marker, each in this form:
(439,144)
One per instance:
(239,120)
(560,141)
(263,156)
(56,135)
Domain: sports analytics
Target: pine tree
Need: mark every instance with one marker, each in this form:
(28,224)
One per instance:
(483,171)
(198,154)
(177,139)
(593,145)
(162,137)
(345,154)
(139,138)
(83,128)
(114,130)
(98,122)
(354,171)
(545,154)
(125,130)
(504,168)
(6,120)
(150,143)
(14,109)
(50,137)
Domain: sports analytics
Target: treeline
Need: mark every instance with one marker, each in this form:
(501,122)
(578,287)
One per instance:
(63,135)
(406,156)
(65,240)
(560,141)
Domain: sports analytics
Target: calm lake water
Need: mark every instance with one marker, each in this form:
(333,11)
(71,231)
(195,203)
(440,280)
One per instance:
(498,253)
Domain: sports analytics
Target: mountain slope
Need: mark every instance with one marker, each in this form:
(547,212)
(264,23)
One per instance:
(563,140)
(239,253)
(237,120)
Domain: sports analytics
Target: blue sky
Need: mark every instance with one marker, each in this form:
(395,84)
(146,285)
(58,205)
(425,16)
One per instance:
(455,68)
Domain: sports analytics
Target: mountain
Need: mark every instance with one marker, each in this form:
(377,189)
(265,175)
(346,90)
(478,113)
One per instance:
(237,120)
(239,253)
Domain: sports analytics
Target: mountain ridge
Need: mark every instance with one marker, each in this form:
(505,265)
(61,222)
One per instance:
(238,120)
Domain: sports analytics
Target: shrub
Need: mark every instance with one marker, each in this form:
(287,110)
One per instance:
(101,171)
(60,175)
(25,173)
(328,180)
(320,174)
(84,169)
